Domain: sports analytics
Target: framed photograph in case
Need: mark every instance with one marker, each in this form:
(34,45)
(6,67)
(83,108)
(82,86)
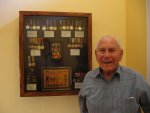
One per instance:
(56,78)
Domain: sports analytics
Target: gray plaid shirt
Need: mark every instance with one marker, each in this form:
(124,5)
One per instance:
(126,92)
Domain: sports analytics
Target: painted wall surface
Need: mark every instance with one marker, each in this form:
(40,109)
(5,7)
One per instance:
(109,18)
(136,35)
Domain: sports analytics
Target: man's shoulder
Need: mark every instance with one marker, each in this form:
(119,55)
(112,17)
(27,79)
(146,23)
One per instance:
(93,72)
(128,71)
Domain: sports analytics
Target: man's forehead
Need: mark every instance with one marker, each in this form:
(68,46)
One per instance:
(108,42)
(107,47)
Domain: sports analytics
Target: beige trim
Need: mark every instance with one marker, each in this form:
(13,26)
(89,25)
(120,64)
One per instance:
(148,39)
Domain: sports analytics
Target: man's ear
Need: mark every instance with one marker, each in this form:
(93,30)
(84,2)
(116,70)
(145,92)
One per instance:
(95,52)
(121,51)
(121,54)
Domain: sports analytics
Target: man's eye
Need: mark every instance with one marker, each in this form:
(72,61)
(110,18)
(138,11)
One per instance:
(112,50)
(101,50)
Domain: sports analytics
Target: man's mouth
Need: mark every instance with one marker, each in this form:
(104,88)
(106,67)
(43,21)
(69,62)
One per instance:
(107,62)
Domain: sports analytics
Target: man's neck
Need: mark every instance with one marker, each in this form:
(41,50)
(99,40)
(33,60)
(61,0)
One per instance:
(108,75)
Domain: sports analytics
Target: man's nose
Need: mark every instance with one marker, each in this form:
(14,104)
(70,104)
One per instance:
(107,54)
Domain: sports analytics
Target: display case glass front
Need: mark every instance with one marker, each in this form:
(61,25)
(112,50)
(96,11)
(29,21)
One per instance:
(55,52)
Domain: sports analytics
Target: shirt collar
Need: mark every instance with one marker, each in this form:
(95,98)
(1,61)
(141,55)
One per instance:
(115,75)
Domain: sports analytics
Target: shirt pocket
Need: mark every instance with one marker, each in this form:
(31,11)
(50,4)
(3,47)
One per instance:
(122,101)
(132,105)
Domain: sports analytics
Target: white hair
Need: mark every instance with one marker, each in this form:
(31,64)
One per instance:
(118,41)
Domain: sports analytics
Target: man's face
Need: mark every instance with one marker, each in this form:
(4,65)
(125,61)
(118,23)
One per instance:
(108,55)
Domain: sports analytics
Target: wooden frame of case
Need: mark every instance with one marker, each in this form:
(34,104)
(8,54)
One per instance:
(51,41)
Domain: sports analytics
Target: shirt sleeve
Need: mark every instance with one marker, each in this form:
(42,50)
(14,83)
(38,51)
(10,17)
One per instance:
(82,98)
(144,97)
(82,104)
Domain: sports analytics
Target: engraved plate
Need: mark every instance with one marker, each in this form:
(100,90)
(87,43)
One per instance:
(79,33)
(48,33)
(75,52)
(78,85)
(31,87)
(31,33)
(35,52)
(65,33)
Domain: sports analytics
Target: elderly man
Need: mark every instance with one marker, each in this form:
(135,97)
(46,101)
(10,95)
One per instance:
(112,88)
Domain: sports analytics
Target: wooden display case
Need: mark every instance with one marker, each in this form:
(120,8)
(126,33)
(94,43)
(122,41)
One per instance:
(55,52)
